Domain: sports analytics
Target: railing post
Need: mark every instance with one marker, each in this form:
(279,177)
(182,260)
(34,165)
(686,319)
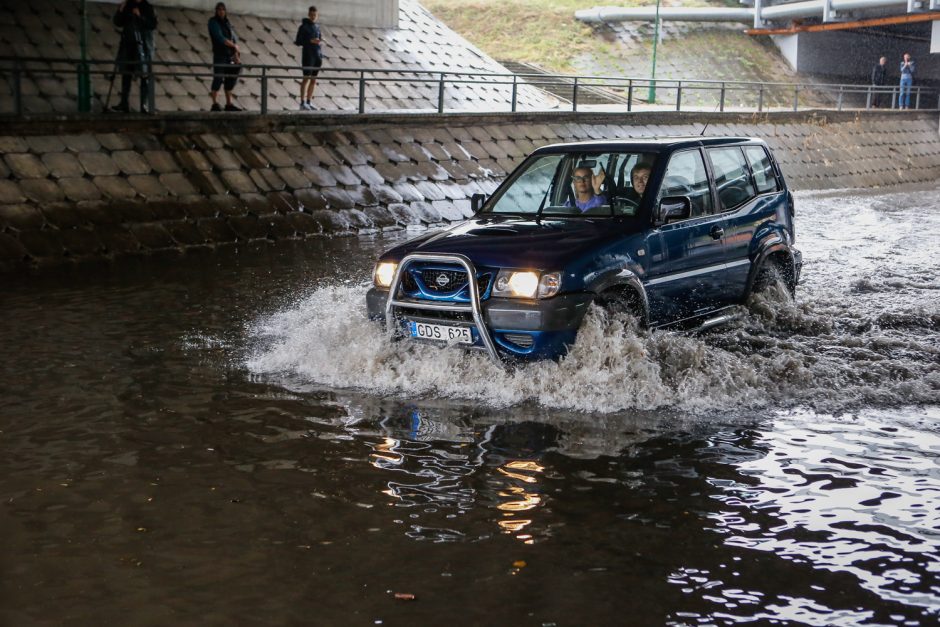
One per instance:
(679,96)
(574,95)
(868,98)
(151,89)
(917,98)
(362,91)
(721,99)
(264,90)
(796,97)
(760,99)
(84,87)
(440,95)
(17,87)
(630,95)
(894,97)
(839,99)
(515,92)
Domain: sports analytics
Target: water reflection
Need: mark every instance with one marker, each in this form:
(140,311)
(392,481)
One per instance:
(449,477)
(800,506)
(519,499)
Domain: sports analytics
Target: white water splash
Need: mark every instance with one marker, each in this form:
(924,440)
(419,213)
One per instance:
(834,348)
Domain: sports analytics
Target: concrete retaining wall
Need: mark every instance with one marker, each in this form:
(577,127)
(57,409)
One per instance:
(89,189)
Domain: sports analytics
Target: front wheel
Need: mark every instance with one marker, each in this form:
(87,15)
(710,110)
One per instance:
(622,301)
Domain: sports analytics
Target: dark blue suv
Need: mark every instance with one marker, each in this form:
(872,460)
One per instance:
(673,230)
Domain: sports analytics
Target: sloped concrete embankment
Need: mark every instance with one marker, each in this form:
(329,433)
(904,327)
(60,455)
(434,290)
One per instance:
(72,190)
(51,29)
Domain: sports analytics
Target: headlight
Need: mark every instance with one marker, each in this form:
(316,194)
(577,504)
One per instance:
(526,284)
(384,273)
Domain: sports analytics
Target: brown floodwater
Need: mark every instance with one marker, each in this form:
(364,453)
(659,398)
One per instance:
(222,437)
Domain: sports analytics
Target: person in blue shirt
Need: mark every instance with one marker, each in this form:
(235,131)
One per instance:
(907,79)
(311,58)
(226,58)
(587,186)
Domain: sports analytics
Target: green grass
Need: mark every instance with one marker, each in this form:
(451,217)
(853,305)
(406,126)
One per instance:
(544,32)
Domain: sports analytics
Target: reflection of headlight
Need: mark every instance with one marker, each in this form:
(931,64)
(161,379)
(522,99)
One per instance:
(526,284)
(384,273)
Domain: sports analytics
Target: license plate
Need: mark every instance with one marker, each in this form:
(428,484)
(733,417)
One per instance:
(441,332)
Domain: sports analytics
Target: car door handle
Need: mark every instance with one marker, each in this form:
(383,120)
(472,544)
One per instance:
(717,232)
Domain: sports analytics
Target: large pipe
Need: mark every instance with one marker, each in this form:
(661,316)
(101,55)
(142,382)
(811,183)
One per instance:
(643,14)
(810,8)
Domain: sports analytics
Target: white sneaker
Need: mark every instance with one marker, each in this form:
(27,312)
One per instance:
(304,106)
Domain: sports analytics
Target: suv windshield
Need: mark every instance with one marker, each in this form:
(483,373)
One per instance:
(575,184)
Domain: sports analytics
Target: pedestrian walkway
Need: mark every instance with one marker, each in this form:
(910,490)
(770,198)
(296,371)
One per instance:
(50,29)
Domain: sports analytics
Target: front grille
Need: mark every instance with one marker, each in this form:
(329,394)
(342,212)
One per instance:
(443,280)
(444,283)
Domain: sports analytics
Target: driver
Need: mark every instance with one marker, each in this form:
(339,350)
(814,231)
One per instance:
(587,188)
(639,176)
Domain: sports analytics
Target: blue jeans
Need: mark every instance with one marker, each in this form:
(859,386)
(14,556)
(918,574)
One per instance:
(904,98)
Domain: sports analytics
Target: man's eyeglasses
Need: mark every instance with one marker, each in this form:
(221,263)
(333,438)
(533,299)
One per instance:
(581,179)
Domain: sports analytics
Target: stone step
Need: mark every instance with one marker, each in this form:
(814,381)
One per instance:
(563,88)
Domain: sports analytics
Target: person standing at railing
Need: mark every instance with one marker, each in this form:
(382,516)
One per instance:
(311,58)
(878,77)
(907,79)
(137,21)
(226,58)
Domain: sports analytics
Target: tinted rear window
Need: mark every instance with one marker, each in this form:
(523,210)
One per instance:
(763,169)
(732,178)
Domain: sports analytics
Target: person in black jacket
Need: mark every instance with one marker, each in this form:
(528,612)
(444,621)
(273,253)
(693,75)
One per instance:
(226,58)
(639,177)
(878,76)
(311,58)
(137,21)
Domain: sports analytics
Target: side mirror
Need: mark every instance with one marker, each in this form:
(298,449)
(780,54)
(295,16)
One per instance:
(476,201)
(672,208)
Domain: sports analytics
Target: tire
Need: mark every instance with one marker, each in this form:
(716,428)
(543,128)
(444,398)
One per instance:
(621,301)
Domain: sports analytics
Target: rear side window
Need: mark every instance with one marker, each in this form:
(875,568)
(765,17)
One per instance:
(762,169)
(686,176)
(732,178)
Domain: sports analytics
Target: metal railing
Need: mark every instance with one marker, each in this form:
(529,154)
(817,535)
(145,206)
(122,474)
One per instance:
(671,94)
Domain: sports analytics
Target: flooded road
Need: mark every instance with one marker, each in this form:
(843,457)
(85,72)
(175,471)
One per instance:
(223,437)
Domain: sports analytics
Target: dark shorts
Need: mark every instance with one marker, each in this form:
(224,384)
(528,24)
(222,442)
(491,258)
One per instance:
(309,59)
(226,74)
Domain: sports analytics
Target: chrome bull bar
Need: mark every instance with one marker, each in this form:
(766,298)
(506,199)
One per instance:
(473,306)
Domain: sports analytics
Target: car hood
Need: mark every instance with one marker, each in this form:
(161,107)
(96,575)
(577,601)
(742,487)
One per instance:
(548,244)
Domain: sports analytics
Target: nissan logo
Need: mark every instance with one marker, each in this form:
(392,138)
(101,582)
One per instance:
(442,280)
